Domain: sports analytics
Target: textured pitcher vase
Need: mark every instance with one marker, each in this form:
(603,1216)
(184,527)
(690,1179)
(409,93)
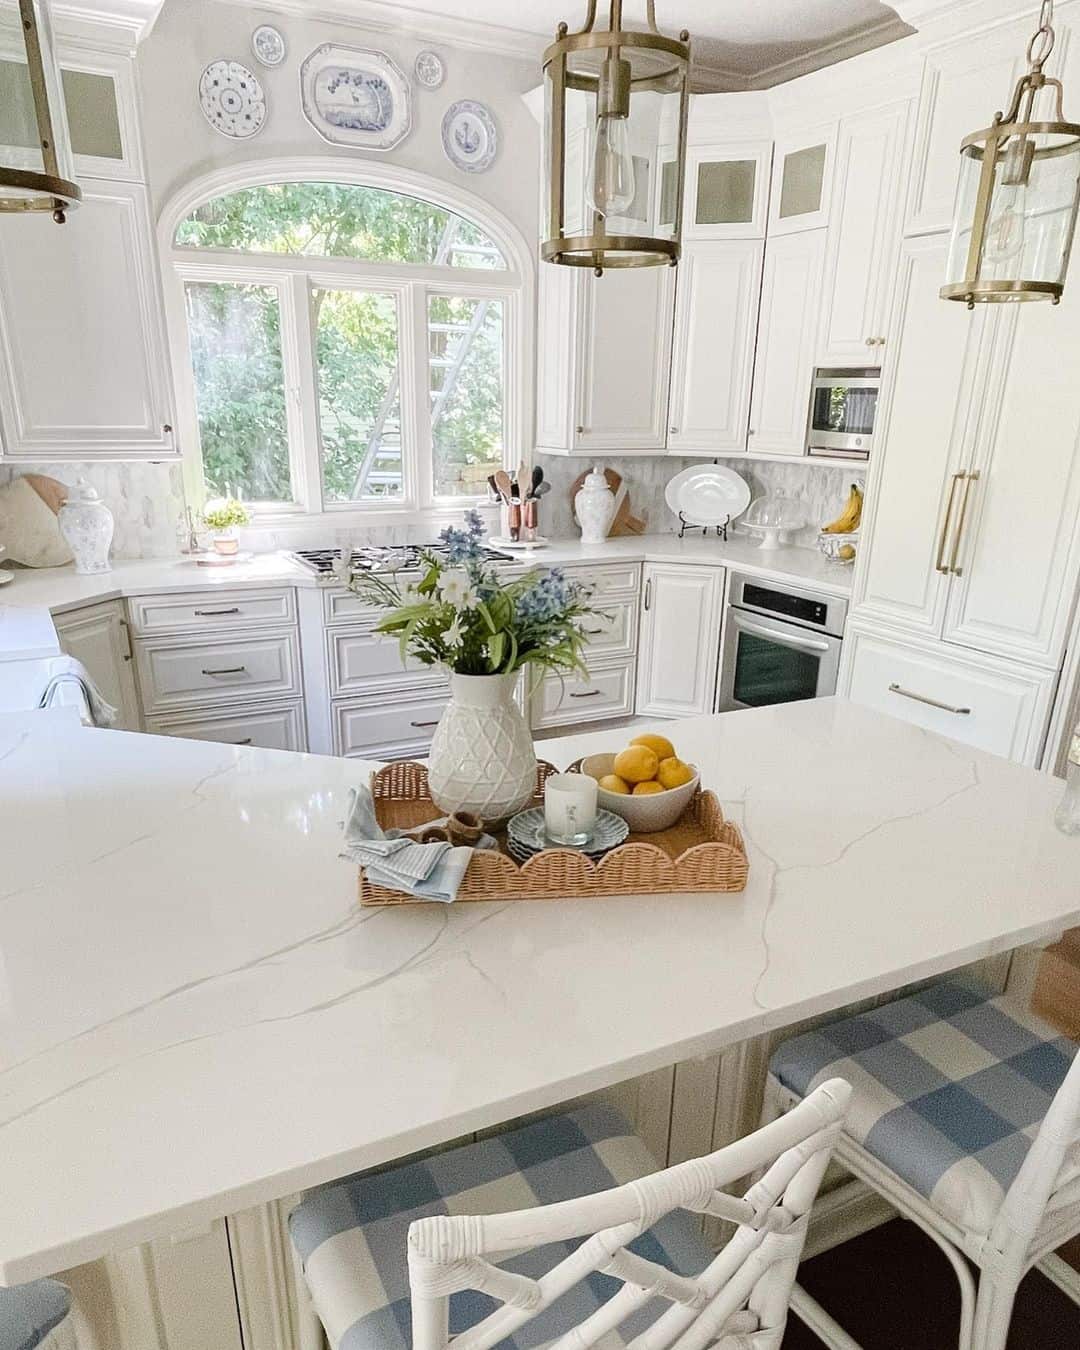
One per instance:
(482,757)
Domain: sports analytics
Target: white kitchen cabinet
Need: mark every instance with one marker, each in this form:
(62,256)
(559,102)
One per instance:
(680,639)
(864,235)
(787,334)
(98,636)
(604,360)
(270,728)
(716,312)
(802,180)
(727,190)
(83,370)
(605,692)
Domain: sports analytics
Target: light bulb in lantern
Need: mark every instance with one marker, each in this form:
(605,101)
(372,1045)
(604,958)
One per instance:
(1005,230)
(610,189)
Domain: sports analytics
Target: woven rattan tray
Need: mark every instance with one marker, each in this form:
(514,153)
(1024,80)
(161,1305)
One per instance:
(701,852)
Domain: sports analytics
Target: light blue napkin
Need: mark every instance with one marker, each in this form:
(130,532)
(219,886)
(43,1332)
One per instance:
(427,871)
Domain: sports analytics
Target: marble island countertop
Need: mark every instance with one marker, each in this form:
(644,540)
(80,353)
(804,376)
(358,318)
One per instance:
(59,589)
(195,1015)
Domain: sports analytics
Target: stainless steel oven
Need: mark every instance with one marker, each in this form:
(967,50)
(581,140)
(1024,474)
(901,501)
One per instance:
(843,409)
(781,643)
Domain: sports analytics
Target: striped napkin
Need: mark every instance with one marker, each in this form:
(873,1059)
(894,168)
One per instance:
(426,871)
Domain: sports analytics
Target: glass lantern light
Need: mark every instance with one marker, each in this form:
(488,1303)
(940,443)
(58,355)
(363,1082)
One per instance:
(52,187)
(1018,192)
(615,112)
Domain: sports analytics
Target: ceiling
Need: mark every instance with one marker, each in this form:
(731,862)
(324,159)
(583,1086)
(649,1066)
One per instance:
(738,44)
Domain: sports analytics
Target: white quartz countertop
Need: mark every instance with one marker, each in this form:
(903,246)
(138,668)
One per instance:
(59,589)
(195,1015)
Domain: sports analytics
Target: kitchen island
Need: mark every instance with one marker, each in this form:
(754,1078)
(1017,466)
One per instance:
(196,1017)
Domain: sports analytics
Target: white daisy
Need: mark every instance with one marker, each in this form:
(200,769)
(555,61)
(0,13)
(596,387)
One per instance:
(454,636)
(456,589)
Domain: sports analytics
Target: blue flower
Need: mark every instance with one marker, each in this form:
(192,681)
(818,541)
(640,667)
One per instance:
(464,546)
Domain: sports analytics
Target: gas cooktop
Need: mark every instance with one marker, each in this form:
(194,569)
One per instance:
(376,558)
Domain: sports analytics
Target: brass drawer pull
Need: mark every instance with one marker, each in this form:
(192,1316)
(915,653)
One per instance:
(422,726)
(229,670)
(589,693)
(216,613)
(940,565)
(594,632)
(930,702)
(245,741)
(958,571)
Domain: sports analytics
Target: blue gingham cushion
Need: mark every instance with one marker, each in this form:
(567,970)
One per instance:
(950,1086)
(28,1312)
(351,1235)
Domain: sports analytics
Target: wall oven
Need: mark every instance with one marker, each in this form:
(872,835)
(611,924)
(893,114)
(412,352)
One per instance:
(843,408)
(781,644)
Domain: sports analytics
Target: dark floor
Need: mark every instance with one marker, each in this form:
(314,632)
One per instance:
(892,1289)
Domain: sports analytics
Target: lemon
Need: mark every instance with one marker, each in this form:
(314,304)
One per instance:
(659,745)
(673,773)
(647,788)
(845,552)
(637,763)
(611,782)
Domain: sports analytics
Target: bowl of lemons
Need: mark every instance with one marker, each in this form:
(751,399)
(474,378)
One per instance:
(647,783)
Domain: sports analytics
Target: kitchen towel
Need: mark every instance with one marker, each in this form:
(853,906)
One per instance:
(426,871)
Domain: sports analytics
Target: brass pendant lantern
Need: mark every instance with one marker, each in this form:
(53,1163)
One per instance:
(1017,197)
(615,112)
(52,187)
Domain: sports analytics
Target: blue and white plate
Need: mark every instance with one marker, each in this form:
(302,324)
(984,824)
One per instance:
(268,45)
(526,834)
(429,69)
(469,136)
(232,100)
(354,96)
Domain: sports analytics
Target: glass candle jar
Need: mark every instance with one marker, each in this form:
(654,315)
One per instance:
(570,808)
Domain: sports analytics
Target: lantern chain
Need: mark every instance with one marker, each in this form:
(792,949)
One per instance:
(1042,42)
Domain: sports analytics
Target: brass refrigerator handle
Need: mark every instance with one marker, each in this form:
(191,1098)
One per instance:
(961,519)
(940,565)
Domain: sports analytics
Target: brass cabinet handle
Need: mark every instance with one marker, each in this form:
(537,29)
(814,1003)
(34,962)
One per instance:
(422,726)
(648,593)
(245,741)
(229,670)
(215,613)
(125,628)
(931,702)
(958,571)
(589,693)
(594,632)
(940,565)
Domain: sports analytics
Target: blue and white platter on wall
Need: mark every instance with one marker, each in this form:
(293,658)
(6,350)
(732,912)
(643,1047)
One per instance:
(469,136)
(232,99)
(353,96)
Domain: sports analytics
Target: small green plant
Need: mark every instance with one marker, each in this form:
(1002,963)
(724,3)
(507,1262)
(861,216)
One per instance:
(224,515)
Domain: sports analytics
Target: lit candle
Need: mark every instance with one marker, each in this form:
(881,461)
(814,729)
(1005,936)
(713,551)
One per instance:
(570,807)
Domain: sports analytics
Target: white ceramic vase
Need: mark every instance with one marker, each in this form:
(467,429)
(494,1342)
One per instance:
(594,507)
(87,525)
(481,757)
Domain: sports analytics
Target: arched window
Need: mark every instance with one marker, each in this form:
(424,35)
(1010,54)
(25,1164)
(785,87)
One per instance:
(350,344)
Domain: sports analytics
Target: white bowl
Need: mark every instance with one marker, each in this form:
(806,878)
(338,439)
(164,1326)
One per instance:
(645,814)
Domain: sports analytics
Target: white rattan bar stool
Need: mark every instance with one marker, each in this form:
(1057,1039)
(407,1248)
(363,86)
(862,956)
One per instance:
(38,1316)
(965,1117)
(556,1235)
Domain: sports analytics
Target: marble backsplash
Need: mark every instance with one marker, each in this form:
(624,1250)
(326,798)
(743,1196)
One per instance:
(822,488)
(147,501)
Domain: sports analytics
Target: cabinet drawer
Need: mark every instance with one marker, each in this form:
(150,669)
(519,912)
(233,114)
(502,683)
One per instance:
(374,729)
(606,692)
(204,611)
(362,662)
(270,728)
(613,632)
(341,606)
(980,702)
(609,580)
(174,675)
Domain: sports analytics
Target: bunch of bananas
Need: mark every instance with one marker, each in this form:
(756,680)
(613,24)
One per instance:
(849,518)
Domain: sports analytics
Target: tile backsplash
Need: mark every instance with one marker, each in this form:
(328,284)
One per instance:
(822,488)
(147,501)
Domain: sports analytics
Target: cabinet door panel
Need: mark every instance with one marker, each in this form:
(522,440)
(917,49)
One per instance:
(81,338)
(98,637)
(1019,554)
(727,190)
(625,359)
(680,640)
(715,318)
(863,236)
(802,180)
(787,332)
(926,430)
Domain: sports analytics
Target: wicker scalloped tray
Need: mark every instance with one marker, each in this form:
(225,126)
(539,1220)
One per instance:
(701,852)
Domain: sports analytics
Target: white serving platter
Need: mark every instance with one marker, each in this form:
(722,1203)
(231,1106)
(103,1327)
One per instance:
(707,494)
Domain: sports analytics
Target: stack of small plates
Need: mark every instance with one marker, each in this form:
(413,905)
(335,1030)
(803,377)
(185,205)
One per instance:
(526,835)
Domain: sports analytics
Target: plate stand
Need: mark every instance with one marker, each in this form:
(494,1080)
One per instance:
(721,529)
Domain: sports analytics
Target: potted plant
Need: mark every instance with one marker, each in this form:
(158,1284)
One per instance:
(458,613)
(223,518)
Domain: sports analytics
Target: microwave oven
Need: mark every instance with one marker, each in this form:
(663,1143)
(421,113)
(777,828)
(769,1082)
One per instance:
(843,408)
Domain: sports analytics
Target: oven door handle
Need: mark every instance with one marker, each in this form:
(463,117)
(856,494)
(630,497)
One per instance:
(785,639)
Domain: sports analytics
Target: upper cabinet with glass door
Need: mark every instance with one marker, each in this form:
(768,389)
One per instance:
(802,180)
(727,190)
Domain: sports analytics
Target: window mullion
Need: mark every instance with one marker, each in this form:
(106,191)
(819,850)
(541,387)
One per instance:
(419,474)
(303,397)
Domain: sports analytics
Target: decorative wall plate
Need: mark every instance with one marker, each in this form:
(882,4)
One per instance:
(469,136)
(232,99)
(268,44)
(429,70)
(353,96)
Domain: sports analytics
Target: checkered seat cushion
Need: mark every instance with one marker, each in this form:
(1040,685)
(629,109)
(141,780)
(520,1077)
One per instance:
(950,1087)
(351,1235)
(29,1312)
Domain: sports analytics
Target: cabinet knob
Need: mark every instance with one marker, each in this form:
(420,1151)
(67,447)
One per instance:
(581,431)
(673,430)
(870,342)
(167,428)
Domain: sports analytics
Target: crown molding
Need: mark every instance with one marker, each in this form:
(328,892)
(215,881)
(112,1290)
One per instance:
(125,20)
(832,53)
